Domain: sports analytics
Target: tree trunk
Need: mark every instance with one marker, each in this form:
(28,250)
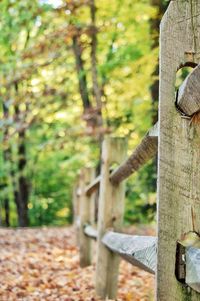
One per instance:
(21,187)
(22,183)
(81,73)
(155,28)
(95,84)
(155,24)
(7,212)
(6,158)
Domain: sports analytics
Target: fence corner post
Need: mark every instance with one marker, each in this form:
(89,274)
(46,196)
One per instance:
(110,216)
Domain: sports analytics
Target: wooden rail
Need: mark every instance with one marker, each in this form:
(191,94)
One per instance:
(145,151)
(141,251)
(138,250)
(93,186)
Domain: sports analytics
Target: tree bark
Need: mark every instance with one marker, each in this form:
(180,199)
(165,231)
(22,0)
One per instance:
(155,28)
(7,212)
(6,158)
(22,183)
(21,187)
(96,88)
(155,24)
(81,73)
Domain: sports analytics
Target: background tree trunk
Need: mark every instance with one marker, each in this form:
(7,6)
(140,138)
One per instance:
(21,187)
(22,182)
(6,159)
(160,6)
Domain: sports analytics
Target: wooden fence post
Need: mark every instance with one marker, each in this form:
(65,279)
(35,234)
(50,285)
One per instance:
(179,148)
(75,202)
(110,216)
(86,216)
(76,207)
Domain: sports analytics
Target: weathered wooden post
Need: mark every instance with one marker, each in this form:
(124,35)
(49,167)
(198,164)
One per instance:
(179,148)
(75,200)
(86,216)
(76,207)
(110,216)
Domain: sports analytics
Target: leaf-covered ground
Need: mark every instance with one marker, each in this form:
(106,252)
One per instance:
(43,264)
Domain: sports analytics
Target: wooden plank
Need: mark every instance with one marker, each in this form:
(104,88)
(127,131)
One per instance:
(85,245)
(140,251)
(188,100)
(93,186)
(145,151)
(110,215)
(178,150)
(90,231)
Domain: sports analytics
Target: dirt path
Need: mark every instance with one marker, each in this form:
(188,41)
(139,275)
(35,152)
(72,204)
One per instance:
(43,264)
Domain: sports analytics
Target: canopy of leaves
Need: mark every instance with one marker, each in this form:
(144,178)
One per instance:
(42,107)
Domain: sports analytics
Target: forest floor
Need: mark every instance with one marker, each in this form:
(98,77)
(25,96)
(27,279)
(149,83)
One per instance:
(43,264)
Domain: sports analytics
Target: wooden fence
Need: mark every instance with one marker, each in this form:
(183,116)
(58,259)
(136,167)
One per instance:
(174,255)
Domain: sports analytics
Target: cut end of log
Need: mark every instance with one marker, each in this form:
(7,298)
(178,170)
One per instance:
(188,100)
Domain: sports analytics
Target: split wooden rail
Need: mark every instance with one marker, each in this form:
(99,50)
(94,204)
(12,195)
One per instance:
(174,255)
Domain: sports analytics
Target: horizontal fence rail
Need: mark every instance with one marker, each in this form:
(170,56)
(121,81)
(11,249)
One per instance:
(138,250)
(93,186)
(145,151)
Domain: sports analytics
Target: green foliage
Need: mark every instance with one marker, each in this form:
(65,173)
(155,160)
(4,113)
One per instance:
(38,77)
(141,196)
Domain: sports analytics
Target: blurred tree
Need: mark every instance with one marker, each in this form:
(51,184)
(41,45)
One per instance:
(70,72)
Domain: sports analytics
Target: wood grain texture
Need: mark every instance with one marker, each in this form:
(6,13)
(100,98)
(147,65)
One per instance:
(140,251)
(86,216)
(145,151)
(178,150)
(76,208)
(110,215)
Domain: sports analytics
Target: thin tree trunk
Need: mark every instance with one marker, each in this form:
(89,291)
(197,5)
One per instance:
(155,27)
(21,187)
(7,212)
(1,223)
(97,93)
(96,88)
(81,73)
(22,182)
(6,158)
